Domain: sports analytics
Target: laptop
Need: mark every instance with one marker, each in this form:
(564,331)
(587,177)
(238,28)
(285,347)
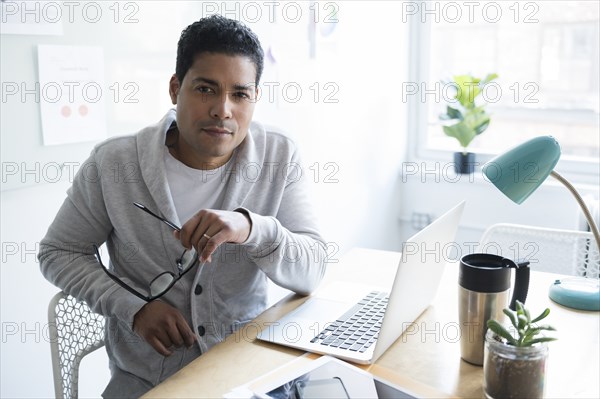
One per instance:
(358,323)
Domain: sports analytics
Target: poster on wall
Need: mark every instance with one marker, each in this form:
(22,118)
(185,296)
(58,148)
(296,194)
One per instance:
(31,18)
(71,87)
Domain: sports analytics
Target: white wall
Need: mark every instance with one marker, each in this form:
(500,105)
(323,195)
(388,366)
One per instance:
(425,192)
(33,187)
(355,144)
(26,213)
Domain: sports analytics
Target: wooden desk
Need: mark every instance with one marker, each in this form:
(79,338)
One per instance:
(425,359)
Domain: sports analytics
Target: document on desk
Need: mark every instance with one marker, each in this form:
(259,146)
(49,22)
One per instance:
(323,378)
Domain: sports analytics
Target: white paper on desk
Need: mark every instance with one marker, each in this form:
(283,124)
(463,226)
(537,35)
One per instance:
(281,383)
(71,93)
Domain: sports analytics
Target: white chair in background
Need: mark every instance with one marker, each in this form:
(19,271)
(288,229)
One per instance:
(549,250)
(75,331)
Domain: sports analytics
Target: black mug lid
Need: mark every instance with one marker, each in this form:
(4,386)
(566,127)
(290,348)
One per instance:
(485,273)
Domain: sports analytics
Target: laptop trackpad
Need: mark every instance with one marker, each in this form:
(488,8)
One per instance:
(319,309)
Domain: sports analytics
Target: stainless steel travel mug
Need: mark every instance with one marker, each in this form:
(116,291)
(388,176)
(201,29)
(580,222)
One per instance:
(475,309)
(484,282)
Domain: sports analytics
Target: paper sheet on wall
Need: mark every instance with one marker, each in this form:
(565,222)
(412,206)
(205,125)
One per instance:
(71,93)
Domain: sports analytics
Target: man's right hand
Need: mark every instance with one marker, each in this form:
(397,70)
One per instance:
(163,327)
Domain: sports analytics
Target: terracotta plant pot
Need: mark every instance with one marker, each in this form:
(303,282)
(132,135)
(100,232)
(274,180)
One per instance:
(513,372)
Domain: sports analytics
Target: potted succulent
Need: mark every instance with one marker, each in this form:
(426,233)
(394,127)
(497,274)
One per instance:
(465,119)
(514,366)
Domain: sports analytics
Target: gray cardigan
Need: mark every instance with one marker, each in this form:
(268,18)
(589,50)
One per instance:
(265,179)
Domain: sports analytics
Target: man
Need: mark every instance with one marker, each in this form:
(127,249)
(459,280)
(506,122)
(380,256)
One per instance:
(235,189)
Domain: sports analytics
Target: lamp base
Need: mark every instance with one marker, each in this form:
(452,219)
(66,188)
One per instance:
(576,293)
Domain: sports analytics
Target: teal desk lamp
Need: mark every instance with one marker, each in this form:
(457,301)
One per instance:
(518,173)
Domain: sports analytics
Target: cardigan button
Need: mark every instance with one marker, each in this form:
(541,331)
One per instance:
(201,331)
(198,289)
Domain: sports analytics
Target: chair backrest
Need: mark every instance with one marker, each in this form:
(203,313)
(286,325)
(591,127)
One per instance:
(550,250)
(75,331)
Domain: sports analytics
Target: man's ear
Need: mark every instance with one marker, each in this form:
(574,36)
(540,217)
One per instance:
(174,87)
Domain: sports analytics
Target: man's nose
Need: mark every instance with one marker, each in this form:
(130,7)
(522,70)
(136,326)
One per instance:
(222,107)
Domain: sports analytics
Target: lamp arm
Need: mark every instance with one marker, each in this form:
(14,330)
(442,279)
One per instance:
(581,202)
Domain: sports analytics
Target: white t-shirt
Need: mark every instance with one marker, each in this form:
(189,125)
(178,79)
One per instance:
(194,189)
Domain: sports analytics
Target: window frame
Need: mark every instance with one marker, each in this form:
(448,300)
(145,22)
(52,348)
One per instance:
(577,170)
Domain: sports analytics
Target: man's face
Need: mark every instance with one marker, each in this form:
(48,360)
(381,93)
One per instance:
(215,103)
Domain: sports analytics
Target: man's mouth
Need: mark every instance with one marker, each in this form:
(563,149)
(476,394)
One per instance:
(216,131)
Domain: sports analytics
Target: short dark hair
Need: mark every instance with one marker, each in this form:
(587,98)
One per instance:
(217,34)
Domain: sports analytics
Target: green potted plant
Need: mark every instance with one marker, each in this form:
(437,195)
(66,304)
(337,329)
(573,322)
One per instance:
(465,119)
(514,365)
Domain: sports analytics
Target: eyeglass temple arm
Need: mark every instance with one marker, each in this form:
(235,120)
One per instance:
(118,280)
(165,221)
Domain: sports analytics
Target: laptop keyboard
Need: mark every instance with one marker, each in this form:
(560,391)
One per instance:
(358,328)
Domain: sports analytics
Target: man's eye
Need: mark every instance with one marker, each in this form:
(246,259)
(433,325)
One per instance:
(204,89)
(241,95)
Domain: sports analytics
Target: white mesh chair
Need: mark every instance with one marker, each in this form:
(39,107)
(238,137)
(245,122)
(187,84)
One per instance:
(75,331)
(549,250)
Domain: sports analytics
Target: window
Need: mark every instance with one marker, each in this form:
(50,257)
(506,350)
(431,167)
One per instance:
(546,55)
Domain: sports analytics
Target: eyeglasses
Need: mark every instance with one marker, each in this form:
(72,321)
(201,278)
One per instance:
(162,283)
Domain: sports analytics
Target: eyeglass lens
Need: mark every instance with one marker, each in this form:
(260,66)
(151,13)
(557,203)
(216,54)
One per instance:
(161,283)
(164,281)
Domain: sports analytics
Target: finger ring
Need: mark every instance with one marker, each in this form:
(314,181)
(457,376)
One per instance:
(206,236)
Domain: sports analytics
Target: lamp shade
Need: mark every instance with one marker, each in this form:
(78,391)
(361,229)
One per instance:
(522,169)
